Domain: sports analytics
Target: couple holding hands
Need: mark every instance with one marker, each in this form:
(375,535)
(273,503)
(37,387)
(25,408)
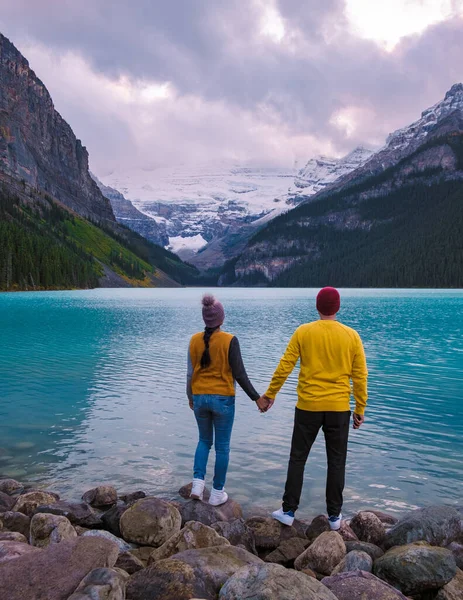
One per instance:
(331,357)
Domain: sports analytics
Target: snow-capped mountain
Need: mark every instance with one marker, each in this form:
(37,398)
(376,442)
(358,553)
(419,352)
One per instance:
(198,204)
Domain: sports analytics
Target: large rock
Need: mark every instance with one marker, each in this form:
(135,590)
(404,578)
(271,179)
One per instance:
(193,573)
(237,533)
(16,521)
(372,550)
(49,529)
(54,572)
(354,561)
(317,526)
(185,492)
(193,535)
(102,584)
(129,563)
(287,552)
(273,582)
(101,496)
(416,568)
(122,545)
(10,486)
(10,550)
(385,518)
(79,513)
(195,510)
(27,503)
(437,525)
(269,533)
(453,590)
(323,555)
(368,528)
(358,585)
(12,536)
(131,497)
(150,522)
(457,550)
(6,502)
(112,517)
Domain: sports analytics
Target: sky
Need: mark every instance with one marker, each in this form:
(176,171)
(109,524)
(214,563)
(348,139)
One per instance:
(148,83)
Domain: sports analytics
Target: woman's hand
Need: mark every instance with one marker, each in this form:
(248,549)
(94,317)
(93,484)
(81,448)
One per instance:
(264,403)
(190,402)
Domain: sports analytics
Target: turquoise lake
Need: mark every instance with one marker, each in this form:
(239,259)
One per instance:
(92,390)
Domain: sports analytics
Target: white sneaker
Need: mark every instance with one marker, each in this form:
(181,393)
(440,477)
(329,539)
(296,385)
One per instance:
(287,518)
(218,497)
(197,489)
(335,522)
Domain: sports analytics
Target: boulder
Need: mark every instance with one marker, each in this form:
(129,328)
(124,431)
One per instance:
(416,568)
(49,529)
(101,496)
(385,518)
(287,552)
(122,545)
(195,510)
(102,584)
(354,561)
(323,554)
(27,503)
(453,590)
(54,572)
(237,533)
(193,573)
(300,527)
(10,549)
(269,533)
(368,528)
(193,535)
(112,517)
(185,492)
(16,521)
(273,582)
(10,486)
(347,533)
(12,536)
(150,522)
(132,497)
(457,550)
(6,502)
(358,585)
(129,563)
(79,513)
(437,525)
(317,526)
(143,553)
(372,550)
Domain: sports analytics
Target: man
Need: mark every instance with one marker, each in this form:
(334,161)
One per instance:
(331,355)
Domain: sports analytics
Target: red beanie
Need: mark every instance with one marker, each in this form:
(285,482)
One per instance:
(328,301)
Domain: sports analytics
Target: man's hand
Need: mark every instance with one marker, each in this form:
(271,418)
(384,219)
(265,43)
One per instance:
(358,420)
(264,403)
(190,402)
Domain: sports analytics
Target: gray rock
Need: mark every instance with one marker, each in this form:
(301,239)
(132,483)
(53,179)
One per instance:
(385,518)
(372,550)
(150,522)
(15,521)
(237,533)
(452,590)
(457,550)
(347,534)
(49,529)
(437,525)
(354,561)
(101,496)
(12,536)
(287,552)
(10,486)
(416,568)
(323,555)
(317,526)
(12,550)
(269,533)
(273,582)
(129,562)
(122,545)
(27,503)
(368,528)
(79,513)
(112,517)
(193,535)
(358,585)
(132,497)
(196,510)
(54,572)
(6,502)
(102,584)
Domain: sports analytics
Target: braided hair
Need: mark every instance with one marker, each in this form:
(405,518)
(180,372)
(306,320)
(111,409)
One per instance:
(206,357)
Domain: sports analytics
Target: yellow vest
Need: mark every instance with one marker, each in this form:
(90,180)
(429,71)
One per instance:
(217,378)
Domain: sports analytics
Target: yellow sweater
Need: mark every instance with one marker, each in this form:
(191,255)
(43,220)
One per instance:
(331,355)
(218,377)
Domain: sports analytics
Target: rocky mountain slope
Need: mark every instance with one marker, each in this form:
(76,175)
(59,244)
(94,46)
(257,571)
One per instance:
(409,196)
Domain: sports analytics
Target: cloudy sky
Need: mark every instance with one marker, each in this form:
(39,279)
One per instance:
(150,82)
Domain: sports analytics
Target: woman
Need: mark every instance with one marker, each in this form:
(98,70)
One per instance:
(214,364)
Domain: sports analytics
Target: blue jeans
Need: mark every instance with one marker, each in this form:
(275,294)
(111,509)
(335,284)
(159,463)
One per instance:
(213,414)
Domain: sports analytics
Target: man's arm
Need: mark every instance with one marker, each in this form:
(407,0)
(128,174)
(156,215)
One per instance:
(285,367)
(359,379)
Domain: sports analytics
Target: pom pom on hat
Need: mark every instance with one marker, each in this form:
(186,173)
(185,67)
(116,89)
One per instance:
(208,300)
(213,311)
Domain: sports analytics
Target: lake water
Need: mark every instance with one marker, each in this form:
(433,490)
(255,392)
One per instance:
(92,390)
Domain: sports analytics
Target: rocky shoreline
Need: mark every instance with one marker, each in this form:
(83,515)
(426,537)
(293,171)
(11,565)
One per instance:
(132,546)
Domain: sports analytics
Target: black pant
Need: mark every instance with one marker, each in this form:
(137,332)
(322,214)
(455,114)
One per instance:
(306,427)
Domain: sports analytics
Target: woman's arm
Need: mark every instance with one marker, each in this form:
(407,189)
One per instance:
(189,376)
(239,372)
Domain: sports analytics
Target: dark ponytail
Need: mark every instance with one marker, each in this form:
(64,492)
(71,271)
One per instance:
(206,357)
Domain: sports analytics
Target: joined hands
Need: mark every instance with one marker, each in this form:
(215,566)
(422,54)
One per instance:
(264,403)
